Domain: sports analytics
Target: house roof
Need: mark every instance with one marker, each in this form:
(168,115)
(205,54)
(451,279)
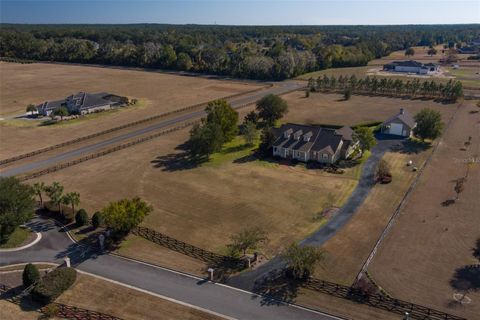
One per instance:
(325,140)
(80,100)
(409,63)
(405,117)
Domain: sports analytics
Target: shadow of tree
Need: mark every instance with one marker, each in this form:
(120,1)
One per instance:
(275,288)
(448,202)
(41,226)
(177,161)
(466,278)
(476,249)
(82,250)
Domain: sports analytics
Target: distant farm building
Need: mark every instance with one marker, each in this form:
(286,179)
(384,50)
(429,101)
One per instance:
(314,143)
(401,124)
(83,103)
(411,66)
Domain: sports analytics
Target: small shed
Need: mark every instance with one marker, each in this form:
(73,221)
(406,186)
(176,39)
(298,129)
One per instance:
(401,124)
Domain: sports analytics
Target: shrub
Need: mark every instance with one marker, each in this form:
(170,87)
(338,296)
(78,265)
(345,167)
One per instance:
(97,219)
(30,275)
(81,218)
(54,284)
(383,173)
(51,310)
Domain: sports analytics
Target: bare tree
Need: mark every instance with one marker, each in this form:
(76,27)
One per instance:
(459,187)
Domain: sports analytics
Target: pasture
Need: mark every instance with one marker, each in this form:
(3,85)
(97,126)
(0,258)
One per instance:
(430,242)
(205,205)
(333,109)
(22,84)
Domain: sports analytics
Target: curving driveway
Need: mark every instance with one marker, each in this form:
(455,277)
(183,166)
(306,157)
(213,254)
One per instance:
(221,299)
(247,280)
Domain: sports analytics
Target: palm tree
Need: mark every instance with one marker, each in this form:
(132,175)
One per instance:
(55,193)
(65,200)
(72,198)
(38,188)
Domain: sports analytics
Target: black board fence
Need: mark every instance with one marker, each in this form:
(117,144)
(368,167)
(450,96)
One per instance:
(188,249)
(127,125)
(63,311)
(378,300)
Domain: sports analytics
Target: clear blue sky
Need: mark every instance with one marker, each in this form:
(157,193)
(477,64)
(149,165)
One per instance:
(246,12)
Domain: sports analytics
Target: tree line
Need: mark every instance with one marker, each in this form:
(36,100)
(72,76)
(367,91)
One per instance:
(257,52)
(450,91)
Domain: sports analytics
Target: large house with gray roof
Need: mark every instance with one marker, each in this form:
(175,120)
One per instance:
(411,66)
(401,124)
(314,143)
(82,103)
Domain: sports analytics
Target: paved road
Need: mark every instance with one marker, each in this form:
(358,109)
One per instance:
(221,299)
(279,88)
(247,280)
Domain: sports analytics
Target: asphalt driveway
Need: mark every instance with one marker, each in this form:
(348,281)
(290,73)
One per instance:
(247,280)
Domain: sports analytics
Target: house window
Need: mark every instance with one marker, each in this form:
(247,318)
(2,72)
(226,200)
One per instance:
(274,149)
(325,156)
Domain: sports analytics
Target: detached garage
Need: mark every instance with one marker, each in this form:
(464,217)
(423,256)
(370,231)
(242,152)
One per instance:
(401,124)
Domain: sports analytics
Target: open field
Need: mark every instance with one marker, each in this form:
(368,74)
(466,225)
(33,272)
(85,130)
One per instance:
(332,109)
(21,84)
(205,205)
(467,72)
(347,251)
(429,242)
(106,297)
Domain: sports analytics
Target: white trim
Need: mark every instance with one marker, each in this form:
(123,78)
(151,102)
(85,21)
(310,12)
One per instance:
(158,295)
(255,295)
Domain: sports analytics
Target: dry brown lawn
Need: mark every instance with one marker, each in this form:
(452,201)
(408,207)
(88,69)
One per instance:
(341,307)
(151,252)
(348,250)
(11,311)
(429,242)
(323,108)
(206,205)
(102,296)
(22,84)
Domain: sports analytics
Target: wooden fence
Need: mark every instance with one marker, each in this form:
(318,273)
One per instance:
(378,300)
(62,310)
(188,249)
(102,153)
(127,125)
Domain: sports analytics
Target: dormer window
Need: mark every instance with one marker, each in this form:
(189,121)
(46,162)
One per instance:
(287,133)
(307,136)
(297,134)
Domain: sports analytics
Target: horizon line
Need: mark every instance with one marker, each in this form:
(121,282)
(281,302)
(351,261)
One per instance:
(239,25)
